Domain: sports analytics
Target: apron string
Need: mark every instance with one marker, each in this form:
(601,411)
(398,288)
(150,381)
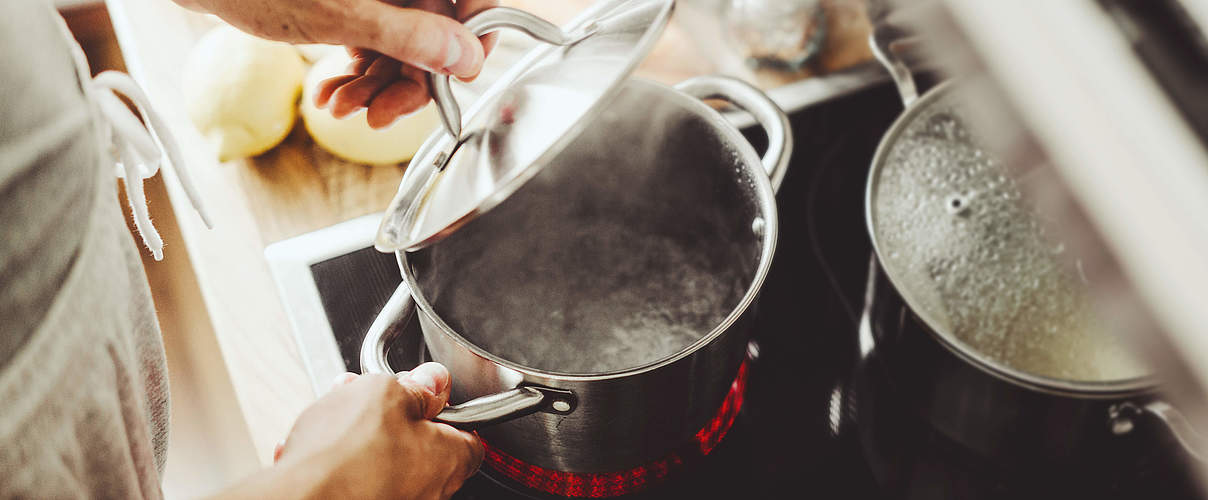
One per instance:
(139,156)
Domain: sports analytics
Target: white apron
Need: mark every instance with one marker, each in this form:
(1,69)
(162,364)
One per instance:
(83,383)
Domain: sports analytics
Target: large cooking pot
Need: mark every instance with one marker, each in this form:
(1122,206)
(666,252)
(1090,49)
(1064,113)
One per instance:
(982,326)
(596,314)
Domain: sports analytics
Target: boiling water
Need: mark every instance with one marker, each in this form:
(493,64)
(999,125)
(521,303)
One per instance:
(630,245)
(594,297)
(973,257)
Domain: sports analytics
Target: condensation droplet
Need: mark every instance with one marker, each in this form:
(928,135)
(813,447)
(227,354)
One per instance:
(758,225)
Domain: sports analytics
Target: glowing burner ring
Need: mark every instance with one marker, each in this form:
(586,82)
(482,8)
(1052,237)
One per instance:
(611,484)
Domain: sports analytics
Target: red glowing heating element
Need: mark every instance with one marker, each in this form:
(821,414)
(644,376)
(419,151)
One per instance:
(611,484)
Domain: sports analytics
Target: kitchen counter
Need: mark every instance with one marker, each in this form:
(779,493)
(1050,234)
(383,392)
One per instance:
(293,189)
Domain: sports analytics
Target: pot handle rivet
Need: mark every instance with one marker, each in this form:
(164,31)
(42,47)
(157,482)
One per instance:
(1120,417)
(752,350)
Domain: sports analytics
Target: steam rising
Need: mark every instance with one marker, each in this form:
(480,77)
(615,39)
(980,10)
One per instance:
(630,246)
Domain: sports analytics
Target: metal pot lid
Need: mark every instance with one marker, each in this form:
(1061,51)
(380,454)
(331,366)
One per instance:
(976,262)
(522,121)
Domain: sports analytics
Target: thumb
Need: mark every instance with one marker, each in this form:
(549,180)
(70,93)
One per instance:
(428,385)
(420,38)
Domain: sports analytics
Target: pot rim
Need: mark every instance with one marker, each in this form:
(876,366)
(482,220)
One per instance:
(766,199)
(1051,385)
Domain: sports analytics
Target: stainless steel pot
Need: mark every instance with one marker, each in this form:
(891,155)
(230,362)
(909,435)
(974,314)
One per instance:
(997,410)
(656,160)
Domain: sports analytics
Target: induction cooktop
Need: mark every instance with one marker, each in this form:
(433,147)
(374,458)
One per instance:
(818,422)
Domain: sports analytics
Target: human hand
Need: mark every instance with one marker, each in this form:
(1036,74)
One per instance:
(372,437)
(392,45)
(389,86)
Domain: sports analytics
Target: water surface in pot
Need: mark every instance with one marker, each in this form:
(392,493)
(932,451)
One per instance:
(597,298)
(971,255)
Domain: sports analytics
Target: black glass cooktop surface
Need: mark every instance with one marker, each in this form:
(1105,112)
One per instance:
(817,421)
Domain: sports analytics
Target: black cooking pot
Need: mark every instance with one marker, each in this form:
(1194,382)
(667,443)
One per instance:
(980,397)
(995,415)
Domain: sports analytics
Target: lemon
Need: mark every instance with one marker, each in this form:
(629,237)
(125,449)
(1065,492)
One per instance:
(351,137)
(241,91)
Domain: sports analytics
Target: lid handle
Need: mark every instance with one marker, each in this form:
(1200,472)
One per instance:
(485,22)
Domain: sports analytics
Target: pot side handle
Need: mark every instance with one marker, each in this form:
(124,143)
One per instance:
(885,40)
(389,321)
(472,414)
(1121,416)
(758,104)
(508,405)
(485,22)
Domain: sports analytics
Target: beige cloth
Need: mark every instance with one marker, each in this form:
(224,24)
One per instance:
(83,384)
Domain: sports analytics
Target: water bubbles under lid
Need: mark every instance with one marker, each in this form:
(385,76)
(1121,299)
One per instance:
(970,256)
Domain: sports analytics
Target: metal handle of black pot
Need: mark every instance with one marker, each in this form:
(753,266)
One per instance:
(486,410)
(769,116)
(485,22)
(1121,416)
(882,41)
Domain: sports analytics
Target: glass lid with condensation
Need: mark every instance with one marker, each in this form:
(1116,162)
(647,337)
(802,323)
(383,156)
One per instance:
(975,261)
(524,119)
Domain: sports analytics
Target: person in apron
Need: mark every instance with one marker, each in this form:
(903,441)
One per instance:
(83,383)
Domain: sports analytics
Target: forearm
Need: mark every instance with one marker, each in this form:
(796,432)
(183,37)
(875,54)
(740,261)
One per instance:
(294,480)
(371,437)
